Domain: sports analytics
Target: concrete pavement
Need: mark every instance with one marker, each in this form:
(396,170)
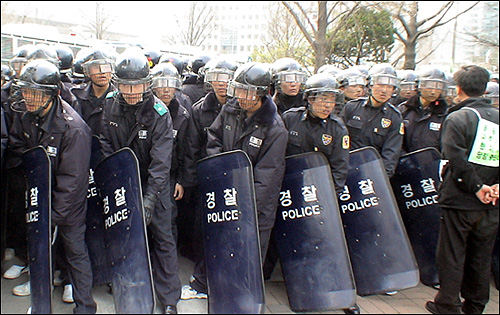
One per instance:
(410,301)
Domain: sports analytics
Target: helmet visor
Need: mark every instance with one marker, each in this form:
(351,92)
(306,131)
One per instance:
(97,67)
(167,82)
(384,80)
(242,91)
(218,77)
(295,77)
(408,86)
(26,97)
(356,81)
(432,84)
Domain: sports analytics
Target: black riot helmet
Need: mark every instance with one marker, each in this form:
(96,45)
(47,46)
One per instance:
(287,70)
(321,83)
(153,57)
(351,76)
(44,52)
(7,73)
(20,57)
(166,75)
(100,58)
(199,62)
(38,84)
(65,55)
(132,77)
(383,73)
(331,69)
(253,77)
(218,70)
(432,78)
(169,58)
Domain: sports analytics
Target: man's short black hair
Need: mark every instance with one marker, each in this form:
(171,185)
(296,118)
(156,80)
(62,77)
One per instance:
(472,80)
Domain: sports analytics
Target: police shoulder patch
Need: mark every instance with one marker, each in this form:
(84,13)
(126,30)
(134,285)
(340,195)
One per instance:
(402,129)
(160,109)
(346,142)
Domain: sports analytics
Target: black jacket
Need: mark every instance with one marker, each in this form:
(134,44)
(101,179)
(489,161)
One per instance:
(379,127)
(180,119)
(89,106)
(263,137)
(285,102)
(147,129)
(66,137)
(203,115)
(461,178)
(422,127)
(194,88)
(328,136)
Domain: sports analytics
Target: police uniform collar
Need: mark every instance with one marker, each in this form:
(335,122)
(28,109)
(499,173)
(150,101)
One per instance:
(210,102)
(48,122)
(173,107)
(383,107)
(313,119)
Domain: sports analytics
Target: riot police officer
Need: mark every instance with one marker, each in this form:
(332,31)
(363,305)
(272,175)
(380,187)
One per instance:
(182,98)
(250,122)
(407,86)
(7,74)
(194,86)
(166,82)
(491,92)
(65,55)
(97,65)
(424,112)
(217,74)
(288,80)
(133,117)
(373,121)
(50,122)
(352,84)
(153,56)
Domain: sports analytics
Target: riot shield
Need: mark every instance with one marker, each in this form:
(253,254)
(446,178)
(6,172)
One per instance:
(381,255)
(310,237)
(120,194)
(94,234)
(38,220)
(230,233)
(415,185)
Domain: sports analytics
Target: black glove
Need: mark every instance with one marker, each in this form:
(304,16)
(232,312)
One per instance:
(149,202)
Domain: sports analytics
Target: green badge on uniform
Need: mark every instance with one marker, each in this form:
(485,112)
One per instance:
(162,110)
(110,94)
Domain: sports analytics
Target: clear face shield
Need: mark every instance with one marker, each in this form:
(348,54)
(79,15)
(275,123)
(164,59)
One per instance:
(217,81)
(165,87)
(29,98)
(432,84)
(290,83)
(99,71)
(322,104)
(383,87)
(133,92)
(248,96)
(407,89)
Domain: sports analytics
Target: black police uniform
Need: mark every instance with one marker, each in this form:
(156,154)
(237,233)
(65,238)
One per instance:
(285,102)
(147,129)
(180,120)
(194,87)
(89,106)
(329,136)
(468,227)
(233,130)
(68,137)
(422,126)
(380,127)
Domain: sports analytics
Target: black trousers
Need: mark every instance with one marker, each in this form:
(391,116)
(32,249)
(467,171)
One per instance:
(80,271)
(465,245)
(163,253)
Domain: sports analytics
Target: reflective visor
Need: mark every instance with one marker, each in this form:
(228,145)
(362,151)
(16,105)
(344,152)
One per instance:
(432,84)
(133,88)
(167,82)
(97,66)
(217,77)
(384,80)
(242,91)
(408,86)
(292,77)
(357,81)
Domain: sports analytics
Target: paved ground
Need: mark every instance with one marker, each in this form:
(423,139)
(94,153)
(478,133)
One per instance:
(410,301)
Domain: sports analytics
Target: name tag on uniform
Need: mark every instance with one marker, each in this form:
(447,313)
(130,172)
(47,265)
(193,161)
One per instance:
(434,126)
(51,151)
(255,142)
(143,134)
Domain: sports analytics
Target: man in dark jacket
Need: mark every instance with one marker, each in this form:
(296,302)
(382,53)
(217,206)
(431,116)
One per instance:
(468,198)
(53,124)
(424,112)
(249,121)
(374,121)
(133,117)
(288,79)
(97,66)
